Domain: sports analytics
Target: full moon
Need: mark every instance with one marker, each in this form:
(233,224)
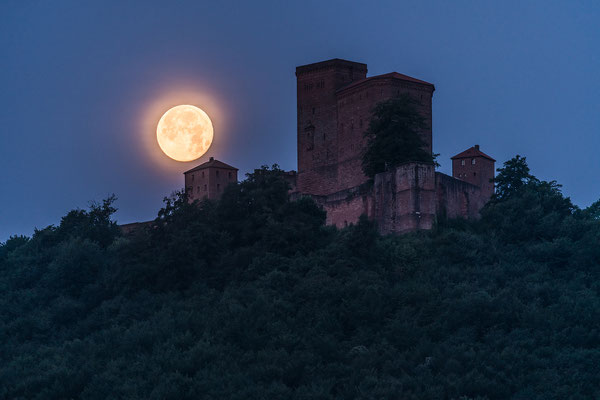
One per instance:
(184,133)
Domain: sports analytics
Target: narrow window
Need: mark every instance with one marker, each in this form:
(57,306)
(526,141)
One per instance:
(217,173)
(313,110)
(229,175)
(462,162)
(205,188)
(473,161)
(198,189)
(192,177)
(203,174)
(218,187)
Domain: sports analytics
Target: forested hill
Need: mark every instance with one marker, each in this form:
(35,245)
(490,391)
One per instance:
(253,297)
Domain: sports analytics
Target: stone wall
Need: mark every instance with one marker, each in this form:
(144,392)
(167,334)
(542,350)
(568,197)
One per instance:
(317,121)
(456,198)
(335,103)
(405,198)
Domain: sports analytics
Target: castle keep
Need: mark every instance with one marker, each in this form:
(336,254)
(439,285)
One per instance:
(334,103)
(335,99)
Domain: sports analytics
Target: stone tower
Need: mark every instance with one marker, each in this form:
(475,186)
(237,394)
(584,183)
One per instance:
(208,180)
(475,167)
(335,104)
(317,85)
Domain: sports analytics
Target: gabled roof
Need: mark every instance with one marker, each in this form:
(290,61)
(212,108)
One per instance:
(391,75)
(472,153)
(212,163)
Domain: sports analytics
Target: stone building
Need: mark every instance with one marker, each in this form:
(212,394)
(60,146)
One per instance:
(208,180)
(335,99)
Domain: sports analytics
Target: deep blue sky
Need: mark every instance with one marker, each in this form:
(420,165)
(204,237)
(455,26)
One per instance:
(83,84)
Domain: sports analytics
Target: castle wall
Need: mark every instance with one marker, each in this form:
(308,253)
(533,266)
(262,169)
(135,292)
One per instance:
(405,199)
(345,207)
(456,198)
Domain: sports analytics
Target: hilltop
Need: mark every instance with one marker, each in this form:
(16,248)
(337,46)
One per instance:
(254,297)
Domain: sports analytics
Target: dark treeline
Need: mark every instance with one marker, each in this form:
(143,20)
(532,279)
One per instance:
(253,297)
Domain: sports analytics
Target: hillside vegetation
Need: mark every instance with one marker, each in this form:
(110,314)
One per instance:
(253,297)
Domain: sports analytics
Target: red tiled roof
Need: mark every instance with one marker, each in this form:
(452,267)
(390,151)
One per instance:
(393,75)
(212,163)
(472,153)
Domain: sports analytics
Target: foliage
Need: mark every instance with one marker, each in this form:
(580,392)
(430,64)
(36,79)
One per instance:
(252,297)
(394,136)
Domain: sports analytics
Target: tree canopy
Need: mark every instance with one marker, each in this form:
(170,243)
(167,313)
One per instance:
(253,297)
(394,136)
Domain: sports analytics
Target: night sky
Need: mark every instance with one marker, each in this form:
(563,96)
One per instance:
(83,85)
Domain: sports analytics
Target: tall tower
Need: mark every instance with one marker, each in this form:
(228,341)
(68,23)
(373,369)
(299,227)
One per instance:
(317,121)
(475,167)
(208,180)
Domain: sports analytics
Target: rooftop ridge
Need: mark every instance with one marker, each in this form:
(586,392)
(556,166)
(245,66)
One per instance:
(394,75)
(211,163)
(472,152)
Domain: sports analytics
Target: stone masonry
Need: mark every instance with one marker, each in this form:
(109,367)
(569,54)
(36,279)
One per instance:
(335,101)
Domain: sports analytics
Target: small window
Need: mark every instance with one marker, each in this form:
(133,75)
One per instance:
(218,187)
(229,175)
(193,177)
(203,174)
(473,161)
(313,110)
(198,189)
(462,162)
(474,173)
(217,173)
(205,188)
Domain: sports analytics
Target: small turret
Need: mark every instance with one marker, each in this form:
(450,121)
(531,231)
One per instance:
(208,180)
(475,167)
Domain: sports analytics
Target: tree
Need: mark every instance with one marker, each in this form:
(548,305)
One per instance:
(394,136)
(525,208)
(513,177)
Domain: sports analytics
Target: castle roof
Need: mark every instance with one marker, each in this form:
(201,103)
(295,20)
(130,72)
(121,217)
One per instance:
(472,153)
(212,163)
(391,75)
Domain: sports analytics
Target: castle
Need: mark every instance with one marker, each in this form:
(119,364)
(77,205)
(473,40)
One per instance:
(335,99)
